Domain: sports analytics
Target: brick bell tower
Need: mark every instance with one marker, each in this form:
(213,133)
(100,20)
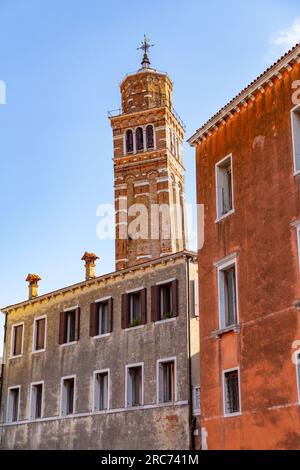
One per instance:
(148,168)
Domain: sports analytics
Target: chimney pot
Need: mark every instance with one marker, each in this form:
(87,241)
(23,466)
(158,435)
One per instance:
(33,280)
(90,262)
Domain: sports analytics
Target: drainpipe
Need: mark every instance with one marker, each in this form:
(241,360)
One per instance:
(2,379)
(188,327)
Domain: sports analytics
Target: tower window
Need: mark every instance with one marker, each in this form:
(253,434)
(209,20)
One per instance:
(139,139)
(150,137)
(129,141)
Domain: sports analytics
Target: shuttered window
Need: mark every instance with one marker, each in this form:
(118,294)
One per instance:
(69,329)
(134,309)
(164,301)
(17,340)
(231,392)
(39,334)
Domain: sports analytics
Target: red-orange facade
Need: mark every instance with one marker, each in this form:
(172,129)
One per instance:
(248,180)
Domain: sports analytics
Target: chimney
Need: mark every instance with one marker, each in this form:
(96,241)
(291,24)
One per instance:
(89,259)
(33,280)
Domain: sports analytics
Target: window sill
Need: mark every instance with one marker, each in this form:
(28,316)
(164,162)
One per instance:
(233,415)
(167,320)
(105,335)
(134,328)
(38,351)
(69,344)
(223,331)
(296,173)
(224,216)
(15,357)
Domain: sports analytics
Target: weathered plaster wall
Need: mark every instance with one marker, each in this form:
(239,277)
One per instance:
(266,201)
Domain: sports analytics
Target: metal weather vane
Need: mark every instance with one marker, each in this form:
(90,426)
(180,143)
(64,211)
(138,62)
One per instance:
(145,46)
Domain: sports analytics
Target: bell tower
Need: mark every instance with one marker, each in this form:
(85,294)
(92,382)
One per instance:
(148,168)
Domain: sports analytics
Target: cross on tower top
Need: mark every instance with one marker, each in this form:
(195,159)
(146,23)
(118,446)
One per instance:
(145,46)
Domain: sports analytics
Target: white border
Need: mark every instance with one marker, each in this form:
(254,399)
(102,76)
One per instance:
(293,110)
(12,340)
(217,165)
(130,366)
(239,413)
(36,351)
(61,394)
(41,382)
(297,365)
(103,371)
(222,266)
(161,361)
(19,403)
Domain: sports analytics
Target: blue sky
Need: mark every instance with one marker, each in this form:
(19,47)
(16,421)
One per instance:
(62,62)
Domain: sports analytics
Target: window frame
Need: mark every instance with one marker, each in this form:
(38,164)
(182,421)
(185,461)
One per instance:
(158,363)
(14,387)
(196,411)
(224,372)
(140,325)
(127,368)
(33,384)
(66,310)
(34,350)
(219,164)
(174,317)
(100,301)
(12,356)
(293,112)
(297,365)
(222,266)
(95,373)
(67,377)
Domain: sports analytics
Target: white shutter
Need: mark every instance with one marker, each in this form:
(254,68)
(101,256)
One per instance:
(196,296)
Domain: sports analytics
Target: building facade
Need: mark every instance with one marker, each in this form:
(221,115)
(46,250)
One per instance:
(113,362)
(248,176)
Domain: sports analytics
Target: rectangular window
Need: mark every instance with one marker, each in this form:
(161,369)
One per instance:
(36,404)
(101,390)
(13,404)
(134,309)
(231,392)
(69,327)
(196,401)
(17,340)
(227,280)
(298,373)
(134,384)
(224,187)
(194,297)
(296,138)
(166,381)
(68,396)
(165,301)
(39,336)
(102,319)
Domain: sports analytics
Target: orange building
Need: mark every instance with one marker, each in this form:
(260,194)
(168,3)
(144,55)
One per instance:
(248,179)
